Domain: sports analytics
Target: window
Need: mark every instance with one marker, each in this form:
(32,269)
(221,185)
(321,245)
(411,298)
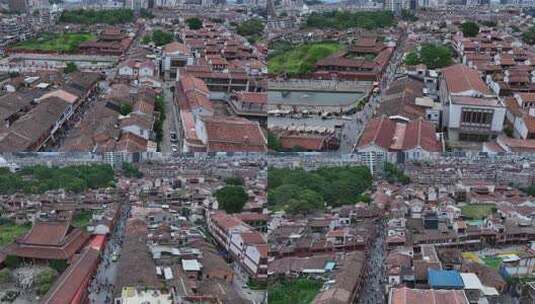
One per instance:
(473,137)
(476,117)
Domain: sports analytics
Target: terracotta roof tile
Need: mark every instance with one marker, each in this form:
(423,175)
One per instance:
(460,78)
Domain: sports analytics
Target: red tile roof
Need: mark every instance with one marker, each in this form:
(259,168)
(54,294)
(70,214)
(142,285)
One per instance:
(225,221)
(378,131)
(194,94)
(252,97)
(392,136)
(234,134)
(421,133)
(410,296)
(461,78)
(75,277)
(64,251)
(131,143)
(252,216)
(46,233)
(174,47)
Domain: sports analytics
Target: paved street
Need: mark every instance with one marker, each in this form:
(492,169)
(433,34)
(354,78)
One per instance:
(374,285)
(171,121)
(354,128)
(101,288)
(239,284)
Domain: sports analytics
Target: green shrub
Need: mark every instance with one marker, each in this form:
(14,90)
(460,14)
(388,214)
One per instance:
(44,280)
(12,261)
(5,276)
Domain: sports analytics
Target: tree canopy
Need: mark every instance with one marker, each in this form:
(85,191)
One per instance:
(234,180)
(71,68)
(125,108)
(45,279)
(347,19)
(529,190)
(250,27)
(529,36)
(159,106)
(38,179)
(231,198)
(489,23)
(83,16)
(394,175)
(300,191)
(130,170)
(194,23)
(470,29)
(160,37)
(273,142)
(432,55)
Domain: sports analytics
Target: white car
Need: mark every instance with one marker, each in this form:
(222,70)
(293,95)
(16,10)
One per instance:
(174,148)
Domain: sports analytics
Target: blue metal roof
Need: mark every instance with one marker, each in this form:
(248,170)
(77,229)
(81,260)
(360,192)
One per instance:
(444,279)
(329,266)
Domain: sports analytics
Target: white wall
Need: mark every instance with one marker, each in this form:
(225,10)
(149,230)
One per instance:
(137,131)
(455,117)
(521,129)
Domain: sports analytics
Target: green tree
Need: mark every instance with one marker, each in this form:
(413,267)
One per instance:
(489,23)
(159,106)
(130,170)
(432,55)
(251,27)
(5,276)
(125,108)
(273,142)
(347,19)
(508,130)
(412,59)
(194,23)
(83,16)
(300,191)
(234,180)
(308,202)
(12,261)
(44,280)
(365,198)
(58,265)
(394,175)
(530,190)
(146,39)
(529,36)
(71,68)
(160,37)
(435,56)
(470,29)
(38,179)
(284,193)
(231,198)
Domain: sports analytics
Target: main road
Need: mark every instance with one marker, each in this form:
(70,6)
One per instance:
(103,284)
(373,291)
